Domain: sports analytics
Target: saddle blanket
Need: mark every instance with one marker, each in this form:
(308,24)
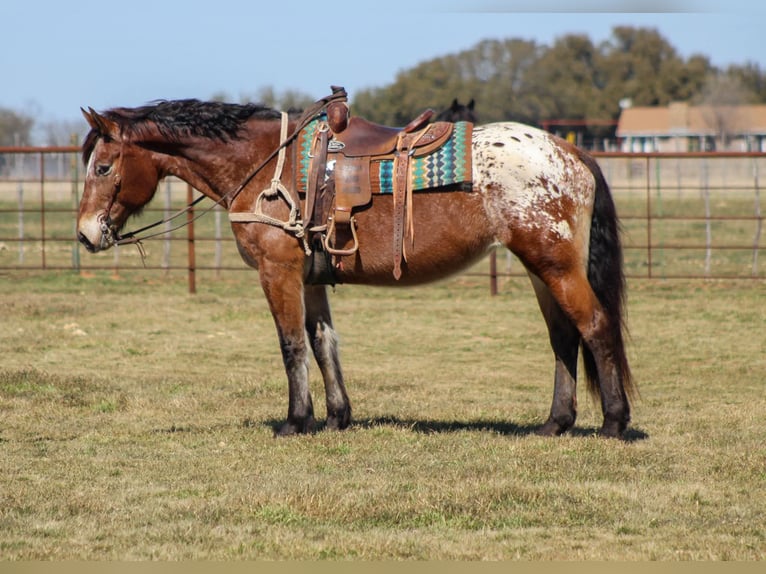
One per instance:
(448,165)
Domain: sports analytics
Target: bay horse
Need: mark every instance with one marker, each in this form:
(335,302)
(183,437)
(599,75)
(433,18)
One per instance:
(544,199)
(458,112)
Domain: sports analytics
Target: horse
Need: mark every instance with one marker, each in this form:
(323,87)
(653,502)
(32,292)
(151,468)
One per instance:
(458,112)
(541,197)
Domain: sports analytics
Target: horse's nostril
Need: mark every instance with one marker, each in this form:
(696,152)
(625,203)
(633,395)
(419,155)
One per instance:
(86,242)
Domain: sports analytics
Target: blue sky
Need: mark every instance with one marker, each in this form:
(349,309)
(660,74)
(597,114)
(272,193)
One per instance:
(56,56)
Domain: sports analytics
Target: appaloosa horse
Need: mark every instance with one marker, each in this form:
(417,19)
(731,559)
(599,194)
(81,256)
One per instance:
(544,199)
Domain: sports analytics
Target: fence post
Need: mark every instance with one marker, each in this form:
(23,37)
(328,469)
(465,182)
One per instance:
(168,228)
(493,271)
(218,247)
(190,235)
(661,235)
(648,220)
(116,262)
(20,196)
(708,223)
(74,173)
(19,172)
(759,219)
(42,208)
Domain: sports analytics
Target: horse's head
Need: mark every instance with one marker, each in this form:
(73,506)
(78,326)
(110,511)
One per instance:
(120,180)
(458,112)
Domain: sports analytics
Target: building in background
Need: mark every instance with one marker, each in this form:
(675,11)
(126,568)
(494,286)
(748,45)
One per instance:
(681,127)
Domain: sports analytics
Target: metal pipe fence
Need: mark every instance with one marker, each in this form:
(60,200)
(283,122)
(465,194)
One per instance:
(684,215)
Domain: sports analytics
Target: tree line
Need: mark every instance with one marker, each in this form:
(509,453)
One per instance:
(524,81)
(573,79)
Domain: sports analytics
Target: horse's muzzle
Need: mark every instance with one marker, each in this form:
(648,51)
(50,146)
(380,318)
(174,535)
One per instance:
(86,242)
(97,234)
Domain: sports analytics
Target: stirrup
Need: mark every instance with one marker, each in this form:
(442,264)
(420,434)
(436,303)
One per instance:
(341,252)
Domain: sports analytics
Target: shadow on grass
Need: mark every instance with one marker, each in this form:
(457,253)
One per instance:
(439,427)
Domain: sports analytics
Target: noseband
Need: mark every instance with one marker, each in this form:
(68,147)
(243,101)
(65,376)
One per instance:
(108,230)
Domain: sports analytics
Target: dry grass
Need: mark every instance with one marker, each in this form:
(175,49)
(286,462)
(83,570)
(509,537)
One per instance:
(136,423)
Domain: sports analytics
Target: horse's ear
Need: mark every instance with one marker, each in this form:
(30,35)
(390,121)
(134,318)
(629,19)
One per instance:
(99,123)
(455,105)
(88,119)
(471,104)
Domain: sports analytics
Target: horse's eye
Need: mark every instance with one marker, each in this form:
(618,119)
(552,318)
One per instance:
(103,169)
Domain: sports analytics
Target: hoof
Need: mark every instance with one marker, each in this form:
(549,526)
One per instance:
(290,428)
(553,428)
(612,429)
(339,421)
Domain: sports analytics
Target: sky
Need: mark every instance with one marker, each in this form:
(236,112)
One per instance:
(59,55)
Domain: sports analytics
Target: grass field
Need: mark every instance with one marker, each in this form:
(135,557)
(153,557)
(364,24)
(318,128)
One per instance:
(136,423)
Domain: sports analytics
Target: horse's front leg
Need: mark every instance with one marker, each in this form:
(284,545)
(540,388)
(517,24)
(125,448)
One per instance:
(283,288)
(324,343)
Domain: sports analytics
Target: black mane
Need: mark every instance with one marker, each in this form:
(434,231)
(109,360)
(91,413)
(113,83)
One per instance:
(176,119)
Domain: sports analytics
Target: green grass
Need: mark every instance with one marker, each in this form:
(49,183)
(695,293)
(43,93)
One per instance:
(136,422)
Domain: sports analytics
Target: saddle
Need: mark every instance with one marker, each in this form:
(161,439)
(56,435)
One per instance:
(341,161)
(344,160)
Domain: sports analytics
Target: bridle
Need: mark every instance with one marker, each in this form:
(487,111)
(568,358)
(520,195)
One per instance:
(132,237)
(104,218)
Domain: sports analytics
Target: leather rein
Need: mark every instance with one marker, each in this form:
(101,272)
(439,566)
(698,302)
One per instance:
(132,236)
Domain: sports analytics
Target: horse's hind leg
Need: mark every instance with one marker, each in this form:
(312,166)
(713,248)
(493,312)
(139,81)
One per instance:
(324,343)
(565,341)
(578,301)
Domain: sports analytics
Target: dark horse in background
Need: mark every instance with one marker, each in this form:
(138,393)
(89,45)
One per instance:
(458,112)
(544,199)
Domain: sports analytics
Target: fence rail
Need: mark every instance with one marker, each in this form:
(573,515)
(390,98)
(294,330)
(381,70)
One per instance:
(684,215)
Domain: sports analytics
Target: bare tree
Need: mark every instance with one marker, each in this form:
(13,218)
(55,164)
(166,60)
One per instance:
(60,133)
(15,127)
(721,99)
(288,99)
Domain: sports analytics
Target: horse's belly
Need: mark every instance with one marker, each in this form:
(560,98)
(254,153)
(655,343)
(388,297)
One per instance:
(451,232)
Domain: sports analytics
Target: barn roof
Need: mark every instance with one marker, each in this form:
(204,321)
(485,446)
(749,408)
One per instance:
(681,119)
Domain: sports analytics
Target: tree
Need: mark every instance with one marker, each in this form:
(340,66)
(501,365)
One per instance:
(61,133)
(520,80)
(424,86)
(565,81)
(720,99)
(493,74)
(268,96)
(641,65)
(286,100)
(15,128)
(502,80)
(751,80)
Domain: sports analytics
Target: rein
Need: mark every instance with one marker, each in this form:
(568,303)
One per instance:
(132,236)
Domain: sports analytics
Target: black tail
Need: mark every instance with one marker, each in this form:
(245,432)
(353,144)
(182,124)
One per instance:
(607,278)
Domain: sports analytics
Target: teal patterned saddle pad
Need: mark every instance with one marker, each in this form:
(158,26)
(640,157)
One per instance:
(446,166)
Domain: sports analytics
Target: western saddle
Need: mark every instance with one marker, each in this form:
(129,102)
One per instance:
(338,162)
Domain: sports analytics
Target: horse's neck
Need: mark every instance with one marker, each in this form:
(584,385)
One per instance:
(219,168)
(214,170)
